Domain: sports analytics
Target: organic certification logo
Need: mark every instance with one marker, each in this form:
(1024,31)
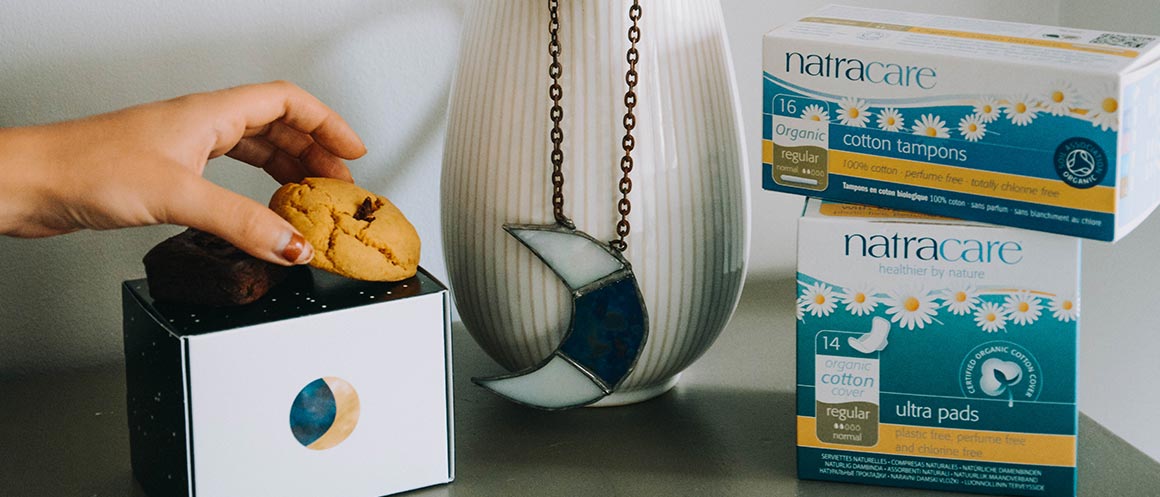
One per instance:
(1080,162)
(1001,370)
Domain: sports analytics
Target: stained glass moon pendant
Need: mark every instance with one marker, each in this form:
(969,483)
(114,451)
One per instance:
(608,328)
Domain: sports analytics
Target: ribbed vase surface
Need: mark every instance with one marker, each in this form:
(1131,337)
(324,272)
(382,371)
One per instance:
(690,197)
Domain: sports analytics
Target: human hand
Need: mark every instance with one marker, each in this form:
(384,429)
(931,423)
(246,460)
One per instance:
(143,165)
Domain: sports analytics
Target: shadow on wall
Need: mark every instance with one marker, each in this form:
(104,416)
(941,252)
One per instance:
(385,66)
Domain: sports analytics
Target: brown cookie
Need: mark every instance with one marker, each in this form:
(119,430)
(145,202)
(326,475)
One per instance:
(355,233)
(198,268)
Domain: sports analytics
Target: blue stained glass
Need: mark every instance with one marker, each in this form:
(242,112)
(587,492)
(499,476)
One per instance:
(607,330)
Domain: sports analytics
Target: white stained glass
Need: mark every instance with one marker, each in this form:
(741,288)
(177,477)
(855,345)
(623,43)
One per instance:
(556,385)
(577,260)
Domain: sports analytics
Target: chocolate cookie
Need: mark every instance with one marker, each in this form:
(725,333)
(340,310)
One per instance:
(198,268)
(355,233)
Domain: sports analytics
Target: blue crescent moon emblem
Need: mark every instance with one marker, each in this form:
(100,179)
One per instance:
(608,329)
(324,413)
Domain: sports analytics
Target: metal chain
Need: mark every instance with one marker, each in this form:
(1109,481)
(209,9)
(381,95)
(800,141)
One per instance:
(623,206)
(628,143)
(556,92)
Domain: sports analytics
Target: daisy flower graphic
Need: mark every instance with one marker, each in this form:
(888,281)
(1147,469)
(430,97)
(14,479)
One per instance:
(800,307)
(1064,308)
(972,128)
(991,317)
(1022,307)
(860,301)
(815,112)
(819,299)
(961,300)
(852,112)
(931,125)
(1105,111)
(987,109)
(1021,110)
(1061,98)
(912,308)
(889,119)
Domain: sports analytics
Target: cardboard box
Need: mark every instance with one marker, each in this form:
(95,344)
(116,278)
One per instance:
(935,354)
(326,387)
(1037,127)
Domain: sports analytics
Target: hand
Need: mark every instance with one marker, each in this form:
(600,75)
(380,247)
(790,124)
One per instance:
(143,165)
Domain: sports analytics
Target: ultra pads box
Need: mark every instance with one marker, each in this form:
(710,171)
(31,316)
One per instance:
(1037,127)
(935,354)
(325,387)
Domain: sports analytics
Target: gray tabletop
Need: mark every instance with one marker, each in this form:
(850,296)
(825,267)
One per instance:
(726,429)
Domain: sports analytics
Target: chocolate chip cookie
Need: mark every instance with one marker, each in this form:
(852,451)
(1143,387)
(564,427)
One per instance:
(355,233)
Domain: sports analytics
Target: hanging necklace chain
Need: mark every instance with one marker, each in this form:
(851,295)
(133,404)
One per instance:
(556,92)
(628,142)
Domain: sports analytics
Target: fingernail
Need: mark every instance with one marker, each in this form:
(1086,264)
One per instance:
(297,251)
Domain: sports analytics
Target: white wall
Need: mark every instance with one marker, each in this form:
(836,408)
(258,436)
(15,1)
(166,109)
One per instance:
(386,66)
(1127,16)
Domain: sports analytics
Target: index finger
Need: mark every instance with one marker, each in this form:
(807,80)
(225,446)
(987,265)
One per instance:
(261,104)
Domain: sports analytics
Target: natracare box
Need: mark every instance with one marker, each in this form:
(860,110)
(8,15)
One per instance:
(936,354)
(1038,127)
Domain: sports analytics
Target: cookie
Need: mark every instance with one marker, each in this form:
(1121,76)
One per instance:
(198,268)
(355,233)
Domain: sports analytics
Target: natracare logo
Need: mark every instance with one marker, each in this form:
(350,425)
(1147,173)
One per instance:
(854,69)
(896,246)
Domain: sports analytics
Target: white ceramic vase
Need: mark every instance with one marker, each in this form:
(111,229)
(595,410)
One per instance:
(690,199)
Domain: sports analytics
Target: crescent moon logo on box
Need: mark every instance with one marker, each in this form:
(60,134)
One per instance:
(324,413)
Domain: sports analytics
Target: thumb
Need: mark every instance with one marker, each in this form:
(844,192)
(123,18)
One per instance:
(246,224)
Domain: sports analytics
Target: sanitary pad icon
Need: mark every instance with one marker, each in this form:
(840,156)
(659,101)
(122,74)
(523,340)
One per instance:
(998,376)
(875,340)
